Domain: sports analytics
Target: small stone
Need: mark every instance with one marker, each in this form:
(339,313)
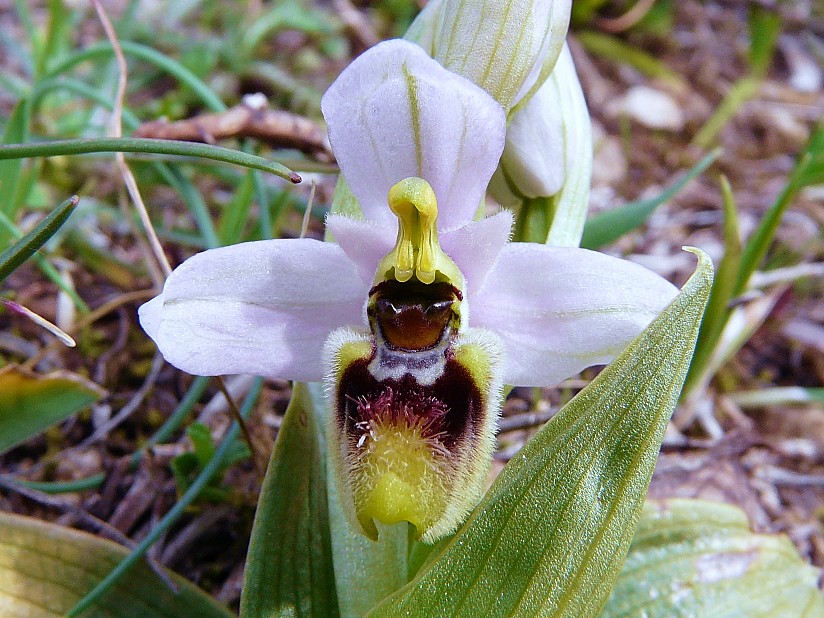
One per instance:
(652,108)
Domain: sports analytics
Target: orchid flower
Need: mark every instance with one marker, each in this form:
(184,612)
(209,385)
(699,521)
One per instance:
(419,314)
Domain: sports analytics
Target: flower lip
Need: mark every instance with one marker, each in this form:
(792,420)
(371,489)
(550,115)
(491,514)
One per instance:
(404,442)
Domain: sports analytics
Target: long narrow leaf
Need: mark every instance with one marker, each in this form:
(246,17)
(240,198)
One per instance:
(17,130)
(24,248)
(50,271)
(142,52)
(610,225)
(289,565)
(739,93)
(718,311)
(809,169)
(551,534)
(198,485)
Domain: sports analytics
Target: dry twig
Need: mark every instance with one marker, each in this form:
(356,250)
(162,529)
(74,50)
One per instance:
(277,128)
(117,131)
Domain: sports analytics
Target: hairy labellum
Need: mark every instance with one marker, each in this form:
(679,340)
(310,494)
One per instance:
(412,448)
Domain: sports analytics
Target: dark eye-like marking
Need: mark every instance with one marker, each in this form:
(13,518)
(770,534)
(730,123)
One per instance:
(413,316)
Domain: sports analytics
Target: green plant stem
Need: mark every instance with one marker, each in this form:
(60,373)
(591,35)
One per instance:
(175,512)
(148,146)
(612,48)
(779,396)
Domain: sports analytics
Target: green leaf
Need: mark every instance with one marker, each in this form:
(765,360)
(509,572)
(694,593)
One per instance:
(696,558)
(744,89)
(615,50)
(201,437)
(811,163)
(17,130)
(45,569)
(610,225)
(236,213)
(289,566)
(24,248)
(723,288)
(765,26)
(808,169)
(29,403)
(551,534)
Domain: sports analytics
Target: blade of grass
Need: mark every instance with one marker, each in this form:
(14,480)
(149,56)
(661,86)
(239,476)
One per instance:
(17,130)
(174,178)
(739,93)
(610,225)
(57,28)
(48,270)
(718,310)
(148,146)
(264,213)
(236,212)
(24,15)
(24,248)
(75,86)
(809,169)
(765,26)
(152,56)
(58,487)
(194,202)
(779,396)
(176,418)
(614,49)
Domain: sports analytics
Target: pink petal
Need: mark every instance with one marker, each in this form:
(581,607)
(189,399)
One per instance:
(364,242)
(559,310)
(263,308)
(474,247)
(394,113)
